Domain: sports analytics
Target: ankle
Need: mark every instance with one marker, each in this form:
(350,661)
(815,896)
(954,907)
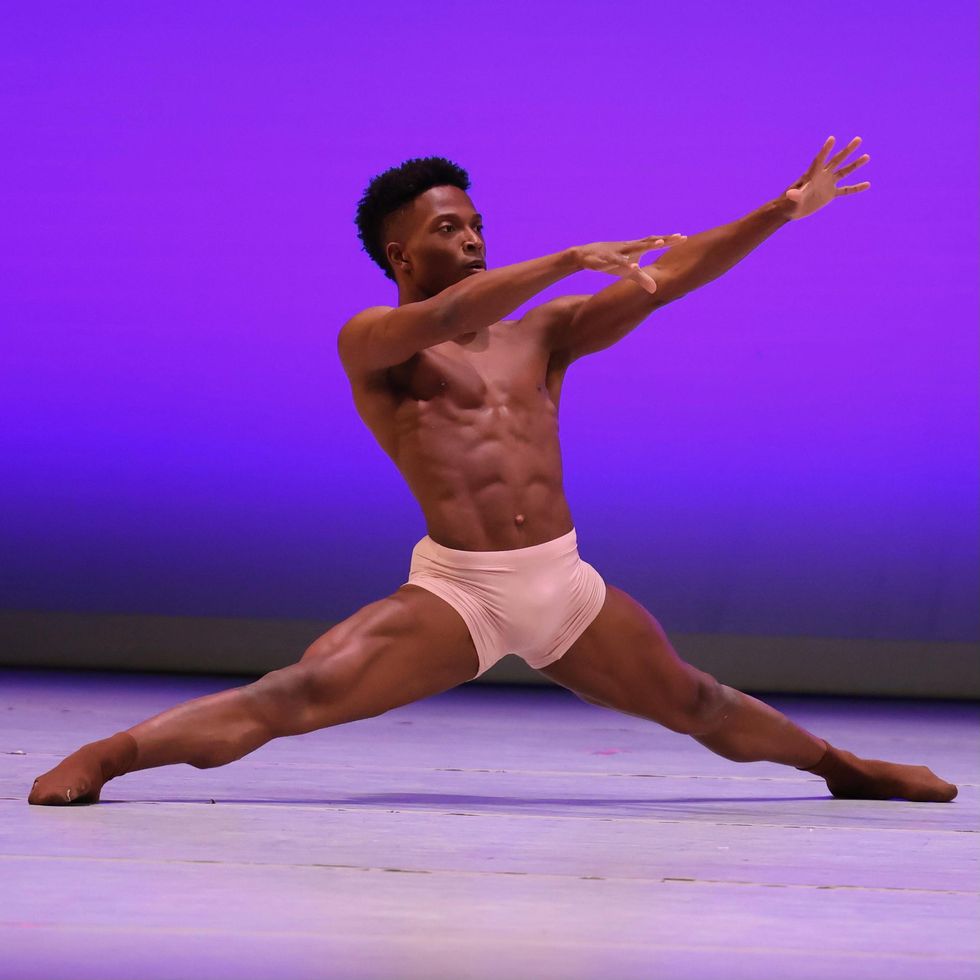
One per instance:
(821,763)
(121,757)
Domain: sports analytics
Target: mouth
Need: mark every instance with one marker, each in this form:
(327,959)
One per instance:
(475,264)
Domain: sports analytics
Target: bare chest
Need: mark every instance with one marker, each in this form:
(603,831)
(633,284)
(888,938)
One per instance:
(498,370)
(475,369)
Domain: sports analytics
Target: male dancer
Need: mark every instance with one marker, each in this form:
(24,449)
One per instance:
(466,404)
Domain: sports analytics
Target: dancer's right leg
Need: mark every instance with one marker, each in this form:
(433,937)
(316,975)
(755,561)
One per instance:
(407,646)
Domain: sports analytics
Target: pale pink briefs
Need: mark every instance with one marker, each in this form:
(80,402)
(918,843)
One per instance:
(533,602)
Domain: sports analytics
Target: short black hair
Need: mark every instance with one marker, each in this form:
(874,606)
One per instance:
(395,188)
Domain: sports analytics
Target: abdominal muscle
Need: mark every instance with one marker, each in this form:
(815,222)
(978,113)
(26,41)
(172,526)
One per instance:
(487,523)
(489,478)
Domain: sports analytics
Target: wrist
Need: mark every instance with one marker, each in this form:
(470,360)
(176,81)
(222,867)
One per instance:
(571,260)
(782,208)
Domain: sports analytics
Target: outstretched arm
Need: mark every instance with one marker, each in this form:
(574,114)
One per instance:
(706,256)
(599,321)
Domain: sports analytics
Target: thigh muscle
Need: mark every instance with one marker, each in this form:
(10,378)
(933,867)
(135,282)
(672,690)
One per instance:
(625,661)
(404,647)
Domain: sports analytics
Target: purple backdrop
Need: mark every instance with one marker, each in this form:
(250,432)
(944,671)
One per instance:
(792,449)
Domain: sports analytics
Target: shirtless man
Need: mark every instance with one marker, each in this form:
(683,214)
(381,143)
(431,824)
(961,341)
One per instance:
(466,405)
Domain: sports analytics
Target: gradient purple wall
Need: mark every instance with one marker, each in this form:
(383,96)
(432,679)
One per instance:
(792,449)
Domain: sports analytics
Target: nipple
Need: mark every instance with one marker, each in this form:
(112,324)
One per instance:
(519,520)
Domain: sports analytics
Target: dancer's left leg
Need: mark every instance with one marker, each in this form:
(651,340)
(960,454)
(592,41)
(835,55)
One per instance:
(625,661)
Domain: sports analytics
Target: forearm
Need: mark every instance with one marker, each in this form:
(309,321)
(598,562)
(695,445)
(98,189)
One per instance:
(485,297)
(706,255)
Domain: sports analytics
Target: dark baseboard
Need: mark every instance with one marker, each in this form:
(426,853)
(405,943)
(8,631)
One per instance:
(212,645)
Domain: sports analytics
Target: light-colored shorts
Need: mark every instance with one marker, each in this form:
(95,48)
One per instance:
(533,602)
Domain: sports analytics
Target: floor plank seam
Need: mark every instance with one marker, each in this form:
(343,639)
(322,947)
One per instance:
(458,872)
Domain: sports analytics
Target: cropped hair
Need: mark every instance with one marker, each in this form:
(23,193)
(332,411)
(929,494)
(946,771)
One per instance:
(394,189)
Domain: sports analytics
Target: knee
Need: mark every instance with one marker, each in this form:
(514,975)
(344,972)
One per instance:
(287,700)
(313,694)
(705,707)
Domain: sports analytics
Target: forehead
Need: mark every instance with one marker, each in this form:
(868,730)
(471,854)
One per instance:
(423,209)
(438,199)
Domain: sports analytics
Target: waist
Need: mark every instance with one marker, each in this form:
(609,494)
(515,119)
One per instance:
(545,551)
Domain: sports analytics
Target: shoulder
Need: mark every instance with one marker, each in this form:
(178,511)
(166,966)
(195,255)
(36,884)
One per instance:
(358,320)
(357,323)
(353,331)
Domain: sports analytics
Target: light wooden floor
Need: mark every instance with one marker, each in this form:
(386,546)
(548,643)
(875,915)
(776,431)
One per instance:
(490,832)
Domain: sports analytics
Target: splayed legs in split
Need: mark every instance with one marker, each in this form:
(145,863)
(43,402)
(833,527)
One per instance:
(405,647)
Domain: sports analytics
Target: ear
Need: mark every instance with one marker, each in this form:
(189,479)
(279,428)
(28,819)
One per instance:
(396,256)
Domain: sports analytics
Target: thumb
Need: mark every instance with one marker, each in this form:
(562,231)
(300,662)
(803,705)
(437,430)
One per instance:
(642,278)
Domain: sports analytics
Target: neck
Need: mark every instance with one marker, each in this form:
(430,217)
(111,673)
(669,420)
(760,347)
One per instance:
(411,292)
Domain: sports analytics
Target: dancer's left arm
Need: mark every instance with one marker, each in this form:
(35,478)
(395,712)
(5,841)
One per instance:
(596,322)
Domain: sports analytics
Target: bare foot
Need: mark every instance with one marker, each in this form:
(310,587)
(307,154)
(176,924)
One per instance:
(80,777)
(851,778)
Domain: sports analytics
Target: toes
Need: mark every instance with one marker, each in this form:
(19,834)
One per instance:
(36,795)
(47,797)
(58,795)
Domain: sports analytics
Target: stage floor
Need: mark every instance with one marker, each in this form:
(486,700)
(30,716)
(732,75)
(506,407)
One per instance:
(490,832)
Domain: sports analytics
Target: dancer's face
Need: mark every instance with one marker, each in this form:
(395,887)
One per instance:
(432,242)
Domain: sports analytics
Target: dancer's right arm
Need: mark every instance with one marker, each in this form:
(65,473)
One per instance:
(487,297)
(382,336)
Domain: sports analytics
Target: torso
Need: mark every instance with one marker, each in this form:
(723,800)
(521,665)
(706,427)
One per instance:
(472,425)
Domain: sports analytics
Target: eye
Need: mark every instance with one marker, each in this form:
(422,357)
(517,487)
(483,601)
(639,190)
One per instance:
(441,227)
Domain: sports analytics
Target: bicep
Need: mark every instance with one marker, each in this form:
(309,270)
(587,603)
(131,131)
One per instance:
(383,336)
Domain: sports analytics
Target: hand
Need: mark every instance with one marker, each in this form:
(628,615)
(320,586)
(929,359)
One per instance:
(818,186)
(620,258)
